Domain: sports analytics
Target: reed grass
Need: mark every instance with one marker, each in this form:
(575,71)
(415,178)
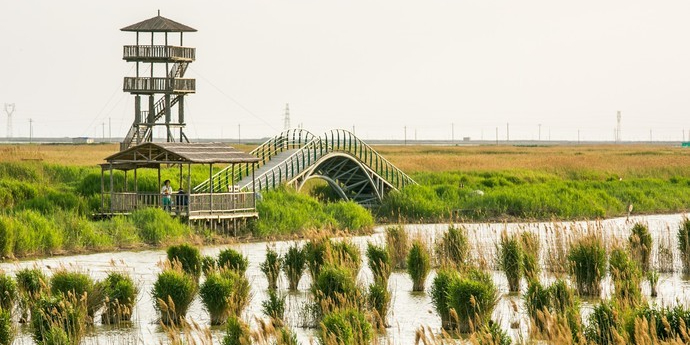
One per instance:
(510,260)
(7,329)
(453,248)
(236,332)
(189,258)
(214,293)
(418,264)
(588,263)
(334,289)
(173,293)
(439,295)
(379,300)
(640,244)
(80,285)
(398,246)
(271,268)
(626,277)
(317,253)
(8,292)
(604,325)
(274,307)
(471,300)
(32,284)
(684,244)
(241,294)
(531,248)
(58,320)
(232,259)
(653,278)
(379,263)
(346,327)
(120,292)
(293,265)
(346,254)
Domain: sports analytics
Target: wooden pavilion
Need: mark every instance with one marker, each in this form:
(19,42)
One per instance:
(231,205)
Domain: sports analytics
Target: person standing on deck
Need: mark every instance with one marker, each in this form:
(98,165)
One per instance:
(166,191)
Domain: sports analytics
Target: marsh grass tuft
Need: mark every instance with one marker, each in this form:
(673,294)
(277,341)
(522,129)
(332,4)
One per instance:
(81,285)
(379,263)
(334,289)
(588,263)
(684,244)
(471,300)
(317,253)
(439,295)
(214,294)
(626,279)
(653,278)
(236,332)
(189,258)
(640,244)
(604,326)
(7,330)
(120,294)
(232,259)
(345,327)
(453,248)
(379,299)
(58,320)
(397,245)
(271,268)
(173,293)
(293,265)
(530,255)
(8,292)
(418,264)
(274,307)
(510,260)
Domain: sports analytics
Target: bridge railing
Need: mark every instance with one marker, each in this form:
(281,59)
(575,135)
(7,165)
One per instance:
(287,140)
(291,166)
(345,141)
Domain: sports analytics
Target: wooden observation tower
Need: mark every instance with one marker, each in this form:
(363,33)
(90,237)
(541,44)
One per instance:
(160,69)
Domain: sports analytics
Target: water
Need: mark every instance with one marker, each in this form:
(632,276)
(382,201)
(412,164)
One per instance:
(409,311)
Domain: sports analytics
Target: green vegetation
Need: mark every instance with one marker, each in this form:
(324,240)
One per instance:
(379,300)
(239,299)
(7,330)
(626,279)
(80,285)
(604,325)
(236,332)
(397,244)
(317,253)
(173,292)
(274,307)
(188,257)
(8,292)
(334,289)
(346,327)
(120,294)
(214,294)
(510,260)
(530,255)
(439,295)
(418,264)
(380,263)
(550,305)
(271,268)
(640,242)
(472,297)
(587,258)
(58,320)
(568,193)
(293,265)
(684,244)
(453,248)
(233,260)
(346,254)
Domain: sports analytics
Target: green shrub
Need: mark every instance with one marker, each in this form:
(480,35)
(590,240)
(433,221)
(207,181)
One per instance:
(379,263)
(453,248)
(214,293)
(189,258)
(293,265)
(418,264)
(274,307)
(511,260)
(172,294)
(120,294)
(156,226)
(209,265)
(334,288)
(8,292)
(640,242)
(7,331)
(80,285)
(58,320)
(271,268)
(350,215)
(239,299)
(626,278)
(397,245)
(530,255)
(35,234)
(603,326)
(587,258)
(347,327)
(236,332)
(473,298)
(684,244)
(379,301)
(121,230)
(234,260)
(31,282)
(439,295)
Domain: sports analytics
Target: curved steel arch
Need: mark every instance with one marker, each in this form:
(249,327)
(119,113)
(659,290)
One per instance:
(348,176)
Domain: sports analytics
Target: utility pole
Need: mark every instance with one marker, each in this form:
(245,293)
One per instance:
(650,135)
(452,132)
(110,130)
(415,134)
(31,131)
(507,131)
(9,109)
(405,141)
(103,130)
(578,136)
(286,119)
(539,132)
(239,137)
(496,136)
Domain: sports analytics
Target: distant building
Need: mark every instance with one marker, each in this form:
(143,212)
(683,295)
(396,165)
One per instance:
(82,140)
(685,144)
(465,138)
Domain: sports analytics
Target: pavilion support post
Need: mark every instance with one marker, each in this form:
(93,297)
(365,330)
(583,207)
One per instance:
(231,188)
(181,177)
(254,184)
(111,187)
(210,196)
(136,189)
(126,189)
(102,189)
(159,186)
(189,191)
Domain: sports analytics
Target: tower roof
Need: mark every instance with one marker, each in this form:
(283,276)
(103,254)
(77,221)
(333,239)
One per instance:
(158,24)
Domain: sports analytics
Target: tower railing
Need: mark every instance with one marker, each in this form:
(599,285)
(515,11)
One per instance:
(158,52)
(158,85)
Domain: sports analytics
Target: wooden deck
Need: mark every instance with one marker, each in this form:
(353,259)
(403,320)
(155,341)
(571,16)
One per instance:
(201,206)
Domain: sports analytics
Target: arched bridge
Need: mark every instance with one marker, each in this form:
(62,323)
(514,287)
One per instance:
(352,168)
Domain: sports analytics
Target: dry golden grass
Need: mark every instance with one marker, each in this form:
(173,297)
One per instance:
(618,159)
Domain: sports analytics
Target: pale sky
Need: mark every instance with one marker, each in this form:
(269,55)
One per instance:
(375,65)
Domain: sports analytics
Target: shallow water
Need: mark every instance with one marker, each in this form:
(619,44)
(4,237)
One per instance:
(409,311)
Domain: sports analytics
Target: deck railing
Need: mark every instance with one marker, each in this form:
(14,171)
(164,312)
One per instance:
(159,52)
(158,85)
(184,204)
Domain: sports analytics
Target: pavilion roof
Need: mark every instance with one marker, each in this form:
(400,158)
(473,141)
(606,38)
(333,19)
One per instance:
(151,154)
(158,24)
